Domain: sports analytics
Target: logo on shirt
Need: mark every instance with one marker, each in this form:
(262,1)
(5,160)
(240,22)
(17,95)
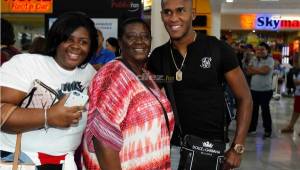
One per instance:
(206,62)
(71,86)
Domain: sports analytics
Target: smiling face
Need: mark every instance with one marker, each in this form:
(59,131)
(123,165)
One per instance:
(135,43)
(74,50)
(177,16)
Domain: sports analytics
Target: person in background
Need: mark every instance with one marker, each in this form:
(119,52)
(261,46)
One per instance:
(249,54)
(7,41)
(38,46)
(113,45)
(102,56)
(127,128)
(261,71)
(289,128)
(25,42)
(197,88)
(49,135)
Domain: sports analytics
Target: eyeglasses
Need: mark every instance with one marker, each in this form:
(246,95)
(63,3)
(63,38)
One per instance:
(132,36)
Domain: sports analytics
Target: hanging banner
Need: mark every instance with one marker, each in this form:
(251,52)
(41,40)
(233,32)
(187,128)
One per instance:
(27,6)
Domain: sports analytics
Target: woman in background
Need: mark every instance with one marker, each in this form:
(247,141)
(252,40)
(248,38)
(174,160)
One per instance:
(113,45)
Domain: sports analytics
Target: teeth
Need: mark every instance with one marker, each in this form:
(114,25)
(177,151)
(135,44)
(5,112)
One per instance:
(175,27)
(73,56)
(139,49)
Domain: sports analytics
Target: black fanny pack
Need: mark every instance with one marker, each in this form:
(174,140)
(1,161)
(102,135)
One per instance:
(201,154)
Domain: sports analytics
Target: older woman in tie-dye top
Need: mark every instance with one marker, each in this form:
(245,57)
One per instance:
(127,128)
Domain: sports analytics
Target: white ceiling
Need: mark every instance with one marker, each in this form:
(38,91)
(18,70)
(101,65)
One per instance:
(257,6)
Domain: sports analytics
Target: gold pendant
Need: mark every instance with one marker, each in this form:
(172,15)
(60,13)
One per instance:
(178,75)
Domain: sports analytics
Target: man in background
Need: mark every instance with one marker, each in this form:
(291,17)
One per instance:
(102,55)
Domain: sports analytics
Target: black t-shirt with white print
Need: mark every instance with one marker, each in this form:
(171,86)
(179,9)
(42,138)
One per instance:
(199,96)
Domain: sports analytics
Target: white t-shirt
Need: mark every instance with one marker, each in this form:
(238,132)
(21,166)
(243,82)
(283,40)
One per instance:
(19,73)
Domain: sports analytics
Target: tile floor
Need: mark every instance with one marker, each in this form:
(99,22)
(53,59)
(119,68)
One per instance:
(280,152)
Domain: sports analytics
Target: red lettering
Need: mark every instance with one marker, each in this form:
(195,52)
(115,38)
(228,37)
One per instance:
(290,24)
(285,23)
(296,24)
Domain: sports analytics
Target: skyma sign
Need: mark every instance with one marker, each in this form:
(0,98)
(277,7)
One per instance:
(271,22)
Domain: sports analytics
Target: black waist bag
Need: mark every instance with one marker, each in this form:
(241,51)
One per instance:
(201,154)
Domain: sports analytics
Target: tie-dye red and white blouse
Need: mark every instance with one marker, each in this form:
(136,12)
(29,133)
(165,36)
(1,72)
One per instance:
(125,116)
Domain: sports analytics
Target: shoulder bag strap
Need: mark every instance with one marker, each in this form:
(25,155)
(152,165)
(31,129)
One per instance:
(164,110)
(18,141)
(17,151)
(6,115)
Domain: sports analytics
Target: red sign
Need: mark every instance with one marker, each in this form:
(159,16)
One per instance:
(26,6)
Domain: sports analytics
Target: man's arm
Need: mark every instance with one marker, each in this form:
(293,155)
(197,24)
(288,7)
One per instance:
(238,85)
(258,70)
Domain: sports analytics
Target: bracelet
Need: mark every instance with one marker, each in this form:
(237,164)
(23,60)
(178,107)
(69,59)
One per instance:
(46,121)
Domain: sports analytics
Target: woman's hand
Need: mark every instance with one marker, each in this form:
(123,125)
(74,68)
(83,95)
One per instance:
(61,116)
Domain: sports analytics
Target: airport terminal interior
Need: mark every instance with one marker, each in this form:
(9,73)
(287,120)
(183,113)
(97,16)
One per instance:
(239,22)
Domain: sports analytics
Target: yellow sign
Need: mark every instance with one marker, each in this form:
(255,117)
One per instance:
(247,21)
(147,4)
(26,6)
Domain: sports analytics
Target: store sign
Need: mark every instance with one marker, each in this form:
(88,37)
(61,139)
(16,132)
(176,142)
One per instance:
(276,22)
(270,22)
(26,6)
(131,5)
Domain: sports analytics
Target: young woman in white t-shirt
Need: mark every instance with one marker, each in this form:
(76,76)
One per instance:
(50,135)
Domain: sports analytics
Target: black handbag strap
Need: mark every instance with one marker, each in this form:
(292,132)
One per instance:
(164,110)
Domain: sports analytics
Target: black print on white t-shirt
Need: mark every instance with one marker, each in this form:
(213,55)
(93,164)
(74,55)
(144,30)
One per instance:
(67,87)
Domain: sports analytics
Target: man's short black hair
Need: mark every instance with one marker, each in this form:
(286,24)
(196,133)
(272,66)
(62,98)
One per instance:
(162,2)
(64,26)
(264,44)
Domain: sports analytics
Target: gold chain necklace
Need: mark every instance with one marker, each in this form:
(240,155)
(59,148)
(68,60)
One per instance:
(178,74)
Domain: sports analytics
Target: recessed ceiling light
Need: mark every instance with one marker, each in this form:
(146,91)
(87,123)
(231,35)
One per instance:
(229,1)
(269,0)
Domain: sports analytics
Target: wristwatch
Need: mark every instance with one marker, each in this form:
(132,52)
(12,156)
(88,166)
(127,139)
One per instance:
(238,148)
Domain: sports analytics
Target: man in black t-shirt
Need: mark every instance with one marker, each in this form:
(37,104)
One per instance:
(198,65)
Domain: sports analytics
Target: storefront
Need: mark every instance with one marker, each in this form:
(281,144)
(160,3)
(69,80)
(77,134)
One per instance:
(280,31)
(33,18)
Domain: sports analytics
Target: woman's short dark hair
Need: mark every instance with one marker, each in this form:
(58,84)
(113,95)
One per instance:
(132,21)
(114,42)
(64,26)
(7,33)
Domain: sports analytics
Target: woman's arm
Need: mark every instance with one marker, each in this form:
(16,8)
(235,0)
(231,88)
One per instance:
(108,158)
(26,119)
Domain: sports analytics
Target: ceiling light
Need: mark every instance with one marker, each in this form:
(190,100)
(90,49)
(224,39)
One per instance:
(229,1)
(269,0)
